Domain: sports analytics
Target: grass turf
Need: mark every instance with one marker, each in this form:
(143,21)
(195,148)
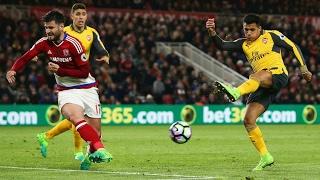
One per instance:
(146,152)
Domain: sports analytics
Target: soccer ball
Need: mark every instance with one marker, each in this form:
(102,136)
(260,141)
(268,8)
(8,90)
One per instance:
(180,132)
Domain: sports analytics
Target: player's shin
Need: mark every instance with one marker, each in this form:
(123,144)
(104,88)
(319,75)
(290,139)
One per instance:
(78,145)
(61,127)
(257,140)
(249,86)
(89,135)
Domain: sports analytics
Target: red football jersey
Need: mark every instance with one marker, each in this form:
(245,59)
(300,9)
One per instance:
(69,55)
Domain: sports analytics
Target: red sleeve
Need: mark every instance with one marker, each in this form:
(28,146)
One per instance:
(31,53)
(81,72)
(80,60)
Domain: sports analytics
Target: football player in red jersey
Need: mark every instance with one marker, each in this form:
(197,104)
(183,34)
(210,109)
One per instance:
(90,39)
(78,99)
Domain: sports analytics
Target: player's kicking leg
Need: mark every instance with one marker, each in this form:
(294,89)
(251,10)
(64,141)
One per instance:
(251,85)
(232,92)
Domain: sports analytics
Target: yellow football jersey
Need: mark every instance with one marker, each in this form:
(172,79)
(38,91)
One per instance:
(89,39)
(265,52)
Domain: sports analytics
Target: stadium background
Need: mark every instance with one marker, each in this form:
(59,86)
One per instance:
(143,86)
(138,74)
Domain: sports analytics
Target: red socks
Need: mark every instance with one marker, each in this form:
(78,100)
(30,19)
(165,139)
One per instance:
(89,134)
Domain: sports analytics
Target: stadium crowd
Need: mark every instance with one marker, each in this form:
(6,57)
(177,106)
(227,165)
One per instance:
(288,7)
(137,74)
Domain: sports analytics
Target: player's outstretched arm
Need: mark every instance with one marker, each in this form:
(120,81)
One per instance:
(23,60)
(220,43)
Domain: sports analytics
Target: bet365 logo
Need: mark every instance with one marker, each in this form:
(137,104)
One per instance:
(309,114)
(53,115)
(188,114)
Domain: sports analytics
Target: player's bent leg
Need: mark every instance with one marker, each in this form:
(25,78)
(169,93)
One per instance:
(61,127)
(232,92)
(87,132)
(249,86)
(42,140)
(101,155)
(264,78)
(75,113)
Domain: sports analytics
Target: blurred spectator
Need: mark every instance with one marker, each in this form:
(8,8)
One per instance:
(296,7)
(137,74)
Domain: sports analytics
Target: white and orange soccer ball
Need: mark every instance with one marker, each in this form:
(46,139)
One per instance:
(180,132)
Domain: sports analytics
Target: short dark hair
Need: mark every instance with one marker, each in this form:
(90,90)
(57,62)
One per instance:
(54,15)
(252,18)
(78,6)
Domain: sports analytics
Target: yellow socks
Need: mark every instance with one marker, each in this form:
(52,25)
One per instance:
(78,143)
(64,126)
(257,140)
(248,86)
(61,127)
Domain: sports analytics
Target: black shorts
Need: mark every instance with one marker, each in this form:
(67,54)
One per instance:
(265,96)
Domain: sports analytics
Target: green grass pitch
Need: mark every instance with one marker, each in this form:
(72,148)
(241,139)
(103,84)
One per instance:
(146,152)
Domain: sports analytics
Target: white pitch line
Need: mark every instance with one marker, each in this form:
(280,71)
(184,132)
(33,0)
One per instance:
(180,177)
(194,178)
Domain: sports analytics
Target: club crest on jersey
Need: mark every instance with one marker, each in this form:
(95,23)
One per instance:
(282,37)
(66,52)
(265,40)
(88,37)
(83,57)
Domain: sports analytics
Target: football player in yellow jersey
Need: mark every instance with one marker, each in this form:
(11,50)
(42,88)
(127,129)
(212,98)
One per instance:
(262,49)
(90,40)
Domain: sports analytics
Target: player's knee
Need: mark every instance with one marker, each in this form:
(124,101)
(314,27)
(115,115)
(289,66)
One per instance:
(255,76)
(264,77)
(249,122)
(73,116)
(261,75)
